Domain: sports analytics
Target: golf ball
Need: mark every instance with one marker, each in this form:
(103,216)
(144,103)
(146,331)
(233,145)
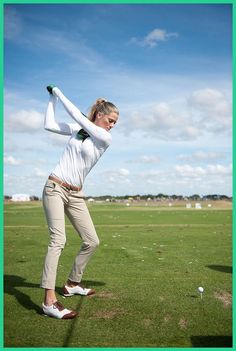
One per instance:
(200,289)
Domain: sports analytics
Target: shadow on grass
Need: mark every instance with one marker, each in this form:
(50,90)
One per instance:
(212,341)
(193,296)
(73,323)
(89,283)
(220,268)
(12,282)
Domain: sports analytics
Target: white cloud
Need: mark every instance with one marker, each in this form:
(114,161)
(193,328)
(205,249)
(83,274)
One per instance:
(185,180)
(24,183)
(24,121)
(204,180)
(206,98)
(188,171)
(40,173)
(212,107)
(17,100)
(154,37)
(151,174)
(77,50)
(159,120)
(204,112)
(145,159)
(115,177)
(219,169)
(10,160)
(123,172)
(200,156)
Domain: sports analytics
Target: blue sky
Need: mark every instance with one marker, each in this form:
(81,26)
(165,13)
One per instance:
(168,69)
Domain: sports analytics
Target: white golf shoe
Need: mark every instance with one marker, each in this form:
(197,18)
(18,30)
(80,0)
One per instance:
(57,310)
(77,290)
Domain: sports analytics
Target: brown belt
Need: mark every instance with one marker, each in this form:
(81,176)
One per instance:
(65,185)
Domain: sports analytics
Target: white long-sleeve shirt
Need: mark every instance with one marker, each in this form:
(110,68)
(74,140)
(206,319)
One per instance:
(79,156)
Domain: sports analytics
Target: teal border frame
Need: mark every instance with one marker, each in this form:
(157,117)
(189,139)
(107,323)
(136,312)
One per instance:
(130,2)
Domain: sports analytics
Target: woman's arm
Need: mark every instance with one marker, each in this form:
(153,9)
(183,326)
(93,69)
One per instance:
(50,123)
(98,134)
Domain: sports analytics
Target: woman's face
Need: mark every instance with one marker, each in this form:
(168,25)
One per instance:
(106,121)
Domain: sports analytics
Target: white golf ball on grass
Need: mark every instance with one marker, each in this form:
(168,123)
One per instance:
(200,289)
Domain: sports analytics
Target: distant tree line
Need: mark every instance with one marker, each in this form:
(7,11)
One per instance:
(32,198)
(159,197)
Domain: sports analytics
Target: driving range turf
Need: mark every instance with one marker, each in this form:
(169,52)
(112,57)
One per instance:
(146,272)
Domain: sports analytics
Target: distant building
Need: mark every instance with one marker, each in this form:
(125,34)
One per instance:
(20,197)
(91,200)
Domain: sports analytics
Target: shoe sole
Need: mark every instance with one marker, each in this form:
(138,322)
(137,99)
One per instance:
(68,295)
(70,315)
(91,292)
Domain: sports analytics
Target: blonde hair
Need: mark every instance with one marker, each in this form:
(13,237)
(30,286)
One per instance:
(103,106)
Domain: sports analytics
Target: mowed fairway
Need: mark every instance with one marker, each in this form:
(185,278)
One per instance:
(146,272)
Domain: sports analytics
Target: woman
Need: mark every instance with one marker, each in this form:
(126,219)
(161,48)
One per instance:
(63,193)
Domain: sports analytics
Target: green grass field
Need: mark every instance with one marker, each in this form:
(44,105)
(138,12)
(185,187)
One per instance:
(146,272)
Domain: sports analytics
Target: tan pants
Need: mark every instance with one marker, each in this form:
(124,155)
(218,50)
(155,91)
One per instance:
(58,201)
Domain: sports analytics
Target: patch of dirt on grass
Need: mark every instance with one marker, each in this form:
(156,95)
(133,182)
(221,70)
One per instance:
(183,323)
(109,314)
(167,318)
(147,322)
(224,297)
(106,295)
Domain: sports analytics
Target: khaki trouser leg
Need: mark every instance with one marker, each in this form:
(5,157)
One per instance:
(79,216)
(57,201)
(53,203)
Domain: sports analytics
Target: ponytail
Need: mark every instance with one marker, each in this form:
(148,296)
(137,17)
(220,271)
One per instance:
(103,106)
